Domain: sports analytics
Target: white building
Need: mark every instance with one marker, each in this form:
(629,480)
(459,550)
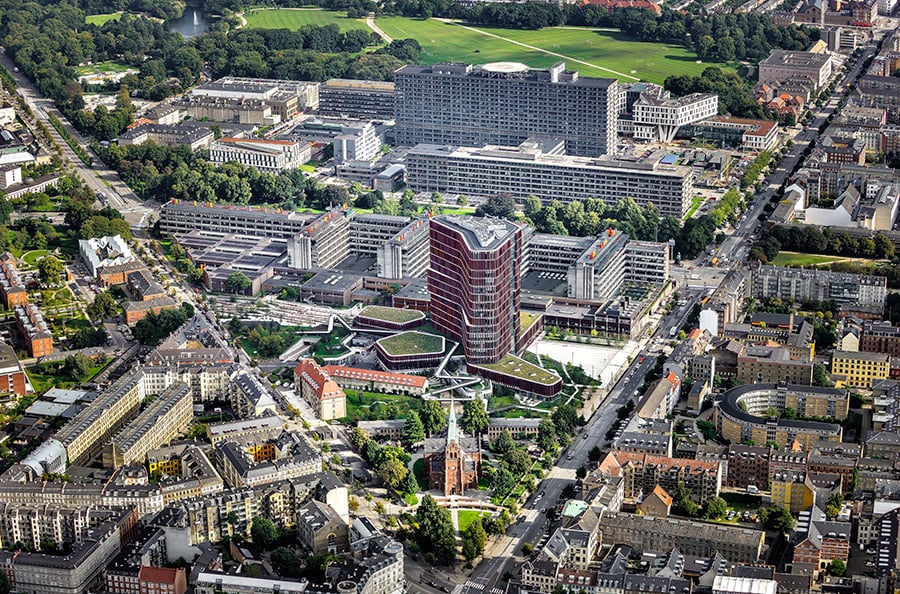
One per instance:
(266,155)
(356,143)
(10,175)
(103,252)
(660,118)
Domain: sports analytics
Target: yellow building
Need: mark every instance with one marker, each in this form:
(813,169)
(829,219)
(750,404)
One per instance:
(859,370)
(792,492)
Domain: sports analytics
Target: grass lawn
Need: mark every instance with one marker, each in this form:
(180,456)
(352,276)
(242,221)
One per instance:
(372,405)
(391,314)
(49,375)
(467,516)
(33,256)
(102,68)
(800,259)
(99,19)
(419,473)
(294,18)
(412,343)
(695,205)
(514,366)
(603,51)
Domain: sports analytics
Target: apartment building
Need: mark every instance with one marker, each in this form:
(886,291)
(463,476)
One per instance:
(646,533)
(363,99)
(323,394)
(250,464)
(643,472)
(659,118)
(268,155)
(504,103)
(860,369)
(770,365)
(532,169)
(837,149)
(880,337)
(321,530)
(818,285)
(474,283)
(34,330)
(167,417)
(740,414)
(12,289)
(74,573)
(260,428)
(184,472)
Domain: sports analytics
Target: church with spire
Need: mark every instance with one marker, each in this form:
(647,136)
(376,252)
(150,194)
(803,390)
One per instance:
(452,460)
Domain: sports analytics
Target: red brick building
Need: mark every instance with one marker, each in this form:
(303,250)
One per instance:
(452,461)
(12,290)
(162,580)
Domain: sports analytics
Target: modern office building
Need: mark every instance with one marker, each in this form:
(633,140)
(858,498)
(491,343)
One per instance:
(659,118)
(356,143)
(504,103)
(538,169)
(364,99)
(268,155)
(818,285)
(474,283)
(177,216)
(323,244)
(285,97)
(751,135)
(406,254)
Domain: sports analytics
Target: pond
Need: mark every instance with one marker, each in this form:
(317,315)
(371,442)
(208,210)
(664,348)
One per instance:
(191,23)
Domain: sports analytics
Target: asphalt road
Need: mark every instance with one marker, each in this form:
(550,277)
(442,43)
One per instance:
(100,179)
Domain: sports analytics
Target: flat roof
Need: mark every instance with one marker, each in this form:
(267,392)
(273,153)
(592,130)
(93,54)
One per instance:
(412,343)
(391,314)
(481,233)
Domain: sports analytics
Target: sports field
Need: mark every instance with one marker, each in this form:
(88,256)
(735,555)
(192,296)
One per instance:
(591,52)
(99,19)
(813,260)
(294,18)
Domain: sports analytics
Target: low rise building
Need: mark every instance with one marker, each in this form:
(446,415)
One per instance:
(750,135)
(323,394)
(263,154)
(818,285)
(377,381)
(321,530)
(34,330)
(785,64)
(168,135)
(771,365)
(12,289)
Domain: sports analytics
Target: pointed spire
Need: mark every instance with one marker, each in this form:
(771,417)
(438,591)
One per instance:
(452,430)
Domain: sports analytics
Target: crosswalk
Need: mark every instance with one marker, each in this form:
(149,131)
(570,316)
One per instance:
(470,585)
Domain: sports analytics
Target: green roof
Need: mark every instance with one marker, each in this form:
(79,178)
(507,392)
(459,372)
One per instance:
(412,343)
(526,320)
(517,367)
(391,314)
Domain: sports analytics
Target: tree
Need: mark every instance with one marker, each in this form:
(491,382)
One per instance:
(408,485)
(435,533)
(474,418)
(78,366)
(103,306)
(820,376)
(50,269)
(502,480)
(547,439)
(237,282)
(837,568)
(413,431)
(776,518)
(392,472)
(473,540)
(4,583)
(505,442)
(714,508)
(285,562)
(834,505)
(527,548)
(433,416)
(595,454)
(502,206)
(264,533)
(581,472)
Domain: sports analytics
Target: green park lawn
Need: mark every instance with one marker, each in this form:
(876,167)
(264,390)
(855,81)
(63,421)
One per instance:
(368,405)
(391,314)
(606,53)
(294,18)
(33,256)
(467,516)
(802,259)
(419,474)
(100,19)
(102,68)
(412,343)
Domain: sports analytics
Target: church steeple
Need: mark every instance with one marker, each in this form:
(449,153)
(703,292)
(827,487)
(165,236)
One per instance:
(452,430)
